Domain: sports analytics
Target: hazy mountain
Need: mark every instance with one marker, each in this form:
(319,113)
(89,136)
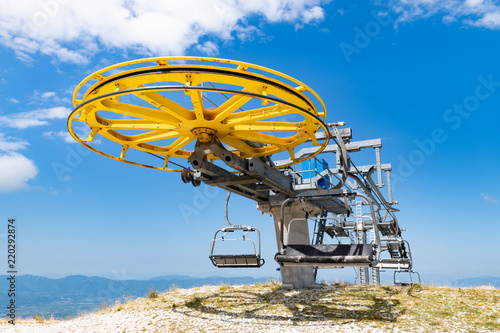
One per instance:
(478,281)
(75,294)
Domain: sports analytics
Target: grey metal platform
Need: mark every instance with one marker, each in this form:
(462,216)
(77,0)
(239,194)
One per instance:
(327,255)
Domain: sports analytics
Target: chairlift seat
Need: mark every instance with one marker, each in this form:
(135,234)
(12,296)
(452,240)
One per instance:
(327,255)
(237,260)
(406,283)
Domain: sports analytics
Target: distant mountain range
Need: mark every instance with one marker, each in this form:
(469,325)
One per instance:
(77,294)
(478,281)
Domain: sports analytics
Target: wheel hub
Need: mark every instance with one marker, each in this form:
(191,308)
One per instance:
(204,134)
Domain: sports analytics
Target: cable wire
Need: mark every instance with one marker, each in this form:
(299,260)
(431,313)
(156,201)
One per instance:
(210,83)
(162,158)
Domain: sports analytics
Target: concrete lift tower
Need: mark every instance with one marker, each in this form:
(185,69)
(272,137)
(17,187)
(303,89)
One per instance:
(260,134)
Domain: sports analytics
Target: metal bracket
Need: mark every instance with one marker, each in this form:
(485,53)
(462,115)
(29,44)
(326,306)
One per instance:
(255,172)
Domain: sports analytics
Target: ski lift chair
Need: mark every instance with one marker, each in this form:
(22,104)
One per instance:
(406,283)
(236,260)
(326,255)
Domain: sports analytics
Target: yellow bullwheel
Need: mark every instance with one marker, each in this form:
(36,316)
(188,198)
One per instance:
(163,106)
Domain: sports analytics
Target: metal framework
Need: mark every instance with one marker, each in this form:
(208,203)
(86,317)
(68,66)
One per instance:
(257,133)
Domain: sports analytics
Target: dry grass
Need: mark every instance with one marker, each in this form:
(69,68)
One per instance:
(152,293)
(333,307)
(416,308)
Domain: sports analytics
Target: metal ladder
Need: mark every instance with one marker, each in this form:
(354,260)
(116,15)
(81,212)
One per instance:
(319,234)
(361,239)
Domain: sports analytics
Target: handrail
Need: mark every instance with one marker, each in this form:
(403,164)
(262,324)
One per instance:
(226,208)
(367,191)
(344,160)
(388,207)
(289,226)
(370,180)
(282,222)
(409,253)
(314,175)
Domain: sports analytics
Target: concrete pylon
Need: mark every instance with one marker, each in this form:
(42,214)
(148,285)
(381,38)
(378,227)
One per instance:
(296,231)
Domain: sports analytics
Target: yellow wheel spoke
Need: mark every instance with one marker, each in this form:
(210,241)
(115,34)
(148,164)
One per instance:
(230,106)
(114,136)
(129,124)
(154,136)
(199,109)
(264,138)
(162,103)
(170,150)
(269,126)
(240,145)
(180,143)
(258,114)
(167,105)
(137,111)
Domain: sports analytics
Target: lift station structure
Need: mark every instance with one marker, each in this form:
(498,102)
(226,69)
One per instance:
(260,134)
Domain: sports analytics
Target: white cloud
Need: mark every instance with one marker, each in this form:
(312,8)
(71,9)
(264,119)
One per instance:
(209,48)
(482,13)
(64,135)
(15,172)
(47,94)
(9,143)
(13,100)
(71,31)
(49,97)
(82,130)
(37,117)
(489,20)
(489,199)
(473,3)
(313,14)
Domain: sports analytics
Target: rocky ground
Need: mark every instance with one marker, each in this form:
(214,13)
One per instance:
(268,308)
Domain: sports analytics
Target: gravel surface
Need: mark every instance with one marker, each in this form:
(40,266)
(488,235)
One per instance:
(267,308)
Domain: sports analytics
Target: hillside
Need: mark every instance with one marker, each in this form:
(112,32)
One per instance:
(268,308)
(76,294)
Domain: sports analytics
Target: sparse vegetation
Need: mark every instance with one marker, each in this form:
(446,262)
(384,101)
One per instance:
(417,308)
(39,319)
(103,307)
(152,294)
(224,288)
(194,303)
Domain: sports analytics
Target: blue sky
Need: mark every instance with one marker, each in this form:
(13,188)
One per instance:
(421,75)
